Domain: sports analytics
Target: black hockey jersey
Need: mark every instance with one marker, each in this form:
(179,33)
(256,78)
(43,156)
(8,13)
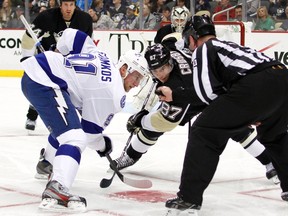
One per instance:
(50,24)
(162,32)
(181,76)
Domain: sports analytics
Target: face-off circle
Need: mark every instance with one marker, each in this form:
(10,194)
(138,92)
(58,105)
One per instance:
(152,196)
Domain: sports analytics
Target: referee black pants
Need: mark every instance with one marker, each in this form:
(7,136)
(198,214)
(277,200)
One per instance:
(260,97)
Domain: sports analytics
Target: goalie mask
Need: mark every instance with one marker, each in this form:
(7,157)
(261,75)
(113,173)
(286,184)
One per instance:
(178,18)
(135,62)
(157,55)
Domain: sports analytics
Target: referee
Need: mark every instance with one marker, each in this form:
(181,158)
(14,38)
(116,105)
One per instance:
(256,89)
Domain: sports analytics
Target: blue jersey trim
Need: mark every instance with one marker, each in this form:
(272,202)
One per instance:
(42,61)
(53,142)
(78,44)
(69,150)
(90,127)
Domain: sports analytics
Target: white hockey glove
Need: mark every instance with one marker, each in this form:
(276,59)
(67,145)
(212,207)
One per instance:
(142,94)
(108,147)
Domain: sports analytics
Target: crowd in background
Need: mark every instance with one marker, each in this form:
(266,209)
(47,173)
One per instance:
(124,14)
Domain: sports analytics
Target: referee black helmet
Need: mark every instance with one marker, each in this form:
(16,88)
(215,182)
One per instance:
(198,26)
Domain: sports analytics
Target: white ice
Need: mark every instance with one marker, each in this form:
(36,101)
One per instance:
(239,187)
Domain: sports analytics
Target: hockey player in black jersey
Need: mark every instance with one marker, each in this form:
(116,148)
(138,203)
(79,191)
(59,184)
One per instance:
(256,89)
(48,27)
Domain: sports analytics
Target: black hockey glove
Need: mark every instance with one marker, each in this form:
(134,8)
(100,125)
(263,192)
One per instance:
(108,147)
(134,121)
(53,47)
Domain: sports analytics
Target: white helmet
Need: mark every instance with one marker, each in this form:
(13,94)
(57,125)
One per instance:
(135,62)
(179,17)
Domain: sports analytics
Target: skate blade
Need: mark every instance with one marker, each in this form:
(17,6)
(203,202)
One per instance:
(41,176)
(176,212)
(52,205)
(275,179)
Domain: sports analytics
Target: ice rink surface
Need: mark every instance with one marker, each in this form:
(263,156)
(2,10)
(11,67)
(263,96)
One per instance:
(239,187)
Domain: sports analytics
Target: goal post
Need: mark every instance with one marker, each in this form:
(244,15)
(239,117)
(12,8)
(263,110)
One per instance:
(231,30)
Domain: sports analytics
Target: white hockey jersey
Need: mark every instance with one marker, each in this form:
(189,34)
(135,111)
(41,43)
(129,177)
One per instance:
(91,78)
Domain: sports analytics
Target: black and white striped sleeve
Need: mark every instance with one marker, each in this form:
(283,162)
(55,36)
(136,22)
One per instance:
(202,75)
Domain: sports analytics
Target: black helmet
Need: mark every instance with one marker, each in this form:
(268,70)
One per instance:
(189,30)
(203,25)
(157,55)
(198,26)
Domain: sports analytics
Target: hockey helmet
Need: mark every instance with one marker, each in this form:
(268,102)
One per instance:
(135,62)
(203,25)
(189,31)
(178,18)
(157,55)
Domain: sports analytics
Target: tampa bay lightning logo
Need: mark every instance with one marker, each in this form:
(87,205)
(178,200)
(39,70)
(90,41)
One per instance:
(123,101)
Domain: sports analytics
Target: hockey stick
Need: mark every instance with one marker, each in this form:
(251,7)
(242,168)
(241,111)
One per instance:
(33,35)
(132,182)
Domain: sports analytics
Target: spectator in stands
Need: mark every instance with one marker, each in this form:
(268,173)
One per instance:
(52,4)
(15,22)
(43,5)
(101,21)
(81,4)
(42,8)
(238,13)
(264,21)
(284,25)
(129,17)
(33,10)
(98,6)
(182,4)
(277,9)
(252,7)
(149,20)
(147,2)
(156,9)
(201,5)
(166,16)
(5,13)
(223,5)
(117,10)
(238,18)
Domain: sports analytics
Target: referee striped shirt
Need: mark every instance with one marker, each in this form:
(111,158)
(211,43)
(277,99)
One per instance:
(218,64)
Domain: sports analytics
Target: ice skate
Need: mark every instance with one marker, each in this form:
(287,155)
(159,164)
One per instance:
(271,173)
(56,198)
(177,206)
(43,168)
(30,125)
(124,161)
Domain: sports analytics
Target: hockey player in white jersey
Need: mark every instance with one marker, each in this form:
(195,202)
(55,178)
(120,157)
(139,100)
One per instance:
(85,80)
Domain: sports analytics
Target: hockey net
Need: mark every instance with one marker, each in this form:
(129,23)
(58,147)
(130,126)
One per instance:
(232,31)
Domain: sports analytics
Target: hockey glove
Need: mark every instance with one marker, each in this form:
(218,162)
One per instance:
(53,47)
(134,121)
(108,147)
